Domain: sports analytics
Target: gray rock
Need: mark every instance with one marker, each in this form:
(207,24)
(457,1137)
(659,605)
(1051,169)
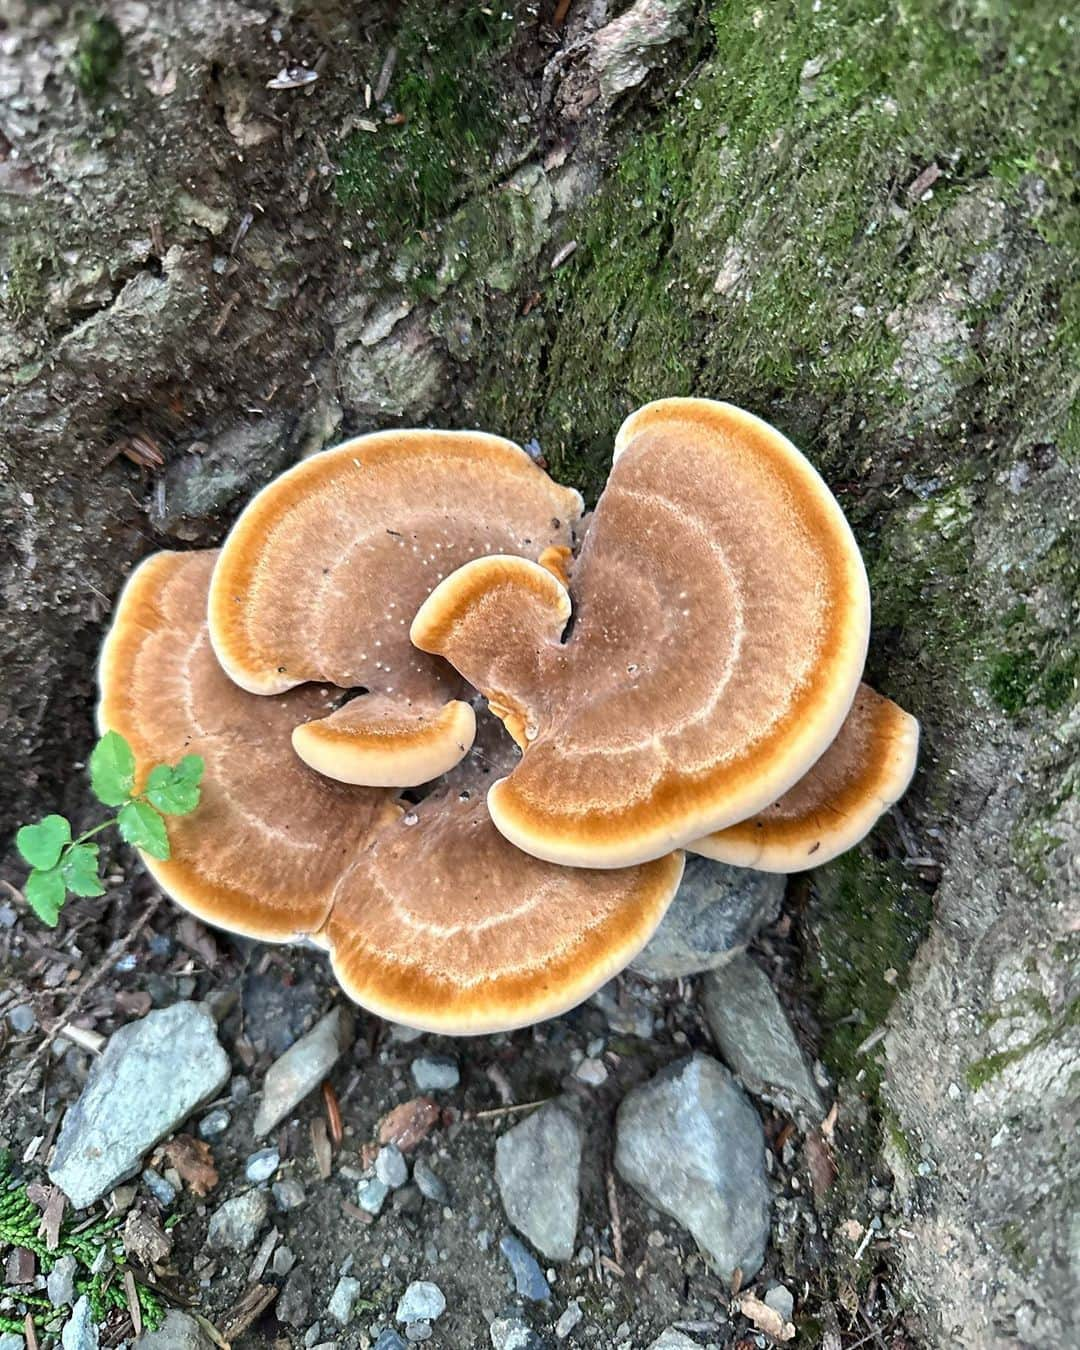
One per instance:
(419,1331)
(282,1261)
(262,1165)
(21,1019)
(716,910)
(781,1300)
(431,1186)
(537,1166)
(288,1194)
(390,1167)
(236,1224)
(752,1033)
(389,1340)
(10,1340)
(421,1302)
(674,1340)
(435,1073)
(624,51)
(569,1319)
(691,1144)
(60,1284)
(294,1302)
(80,1330)
(371,1195)
(510,1331)
(163,1191)
(177,1332)
(343,1300)
(152,1074)
(529,1279)
(302,1067)
(214,1123)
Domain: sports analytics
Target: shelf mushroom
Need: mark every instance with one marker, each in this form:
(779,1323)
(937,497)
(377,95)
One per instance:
(318,580)
(863,772)
(429,916)
(720,621)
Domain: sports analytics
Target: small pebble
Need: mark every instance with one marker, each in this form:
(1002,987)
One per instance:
(311,1336)
(421,1302)
(435,1073)
(343,1300)
(781,1301)
(389,1340)
(528,1277)
(591,1071)
(215,1123)
(569,1320)
(282,1261)
(162,1191)
(60,1285)
(262,1165)
(22,1019)
(418,1331)
(431,1186)
(390,1166)
(371,1195)
(288,1194)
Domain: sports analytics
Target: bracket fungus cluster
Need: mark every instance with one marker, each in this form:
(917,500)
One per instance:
(685,675)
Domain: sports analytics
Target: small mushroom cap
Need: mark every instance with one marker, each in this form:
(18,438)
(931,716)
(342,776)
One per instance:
(324,569)
(720,629)
(868,767)
(263,851)
(384,742)
(445,926)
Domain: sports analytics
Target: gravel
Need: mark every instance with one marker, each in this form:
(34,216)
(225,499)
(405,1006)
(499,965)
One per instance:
(60,1284)
(236,1224)
(214,1123)
(691,1145)
(294,1302)
(431,1186)
(80,1330)
(435,1073)
(177,1332)
(390,1167)
(262,1165)
(302,1068)
(537,1168)
(151,1076)
(421,1302)
(288,1194)
(389,1340)
(529,1279)
(569,1319)
(343,1300)
(371,1195)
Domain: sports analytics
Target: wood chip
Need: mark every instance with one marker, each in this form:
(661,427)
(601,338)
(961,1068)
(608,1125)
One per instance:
(52,1217)
(263,1255)
(333,1113)
(320,1146)
(132,1296)
(406,1125)
(386,74)
(352,1211)
(616,1219)
(30,1332)
(144,1238)
(21,1266)
(766,1319)
(251,1307)
(820,1162)
(924,182)
(194,1160)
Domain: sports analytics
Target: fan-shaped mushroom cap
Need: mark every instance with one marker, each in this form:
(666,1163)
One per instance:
(383,743)
(868,767)
(721,622)
(430,915)
(266,846)
(325,567)
(444,925)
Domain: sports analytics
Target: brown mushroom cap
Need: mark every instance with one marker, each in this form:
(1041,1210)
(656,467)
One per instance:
(444,925)
(321,574)
(430,915)
(263,851)
(384,743)
(868,767)
(720,628)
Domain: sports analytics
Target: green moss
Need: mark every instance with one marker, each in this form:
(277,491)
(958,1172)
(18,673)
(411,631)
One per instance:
(867,918)
(97,55)
(1012,676)
(984,1070)
(403,176)
(24,293)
